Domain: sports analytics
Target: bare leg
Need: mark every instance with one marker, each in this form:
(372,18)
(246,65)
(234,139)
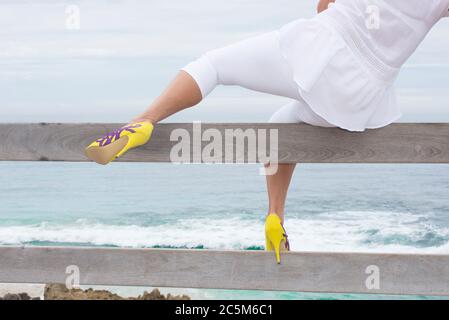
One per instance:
(183,92)
(277,186)
(255,64)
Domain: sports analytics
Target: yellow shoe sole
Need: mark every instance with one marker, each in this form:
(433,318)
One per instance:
(104,155)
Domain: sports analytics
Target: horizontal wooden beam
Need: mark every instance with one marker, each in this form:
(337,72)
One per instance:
(406,274)
(297,143)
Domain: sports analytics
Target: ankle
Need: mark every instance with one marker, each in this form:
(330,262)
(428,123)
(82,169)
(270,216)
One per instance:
(144,119)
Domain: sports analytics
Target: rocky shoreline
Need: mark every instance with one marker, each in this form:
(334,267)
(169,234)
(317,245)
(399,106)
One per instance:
(18,296)
(60,292)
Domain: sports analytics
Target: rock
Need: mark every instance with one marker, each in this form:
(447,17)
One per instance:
(153,295)
(24,296)
(18,296)
(156,295)
(60,292)
(11,296)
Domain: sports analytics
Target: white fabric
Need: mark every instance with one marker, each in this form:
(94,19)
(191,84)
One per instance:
(255,64)
(204,74)
(333,82)
(345,61)
(390,29)
(298,111)
(338,71)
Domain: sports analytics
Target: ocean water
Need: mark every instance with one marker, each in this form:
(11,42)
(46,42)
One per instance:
(365,208)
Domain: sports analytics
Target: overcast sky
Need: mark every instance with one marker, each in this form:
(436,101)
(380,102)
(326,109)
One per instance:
(125,51)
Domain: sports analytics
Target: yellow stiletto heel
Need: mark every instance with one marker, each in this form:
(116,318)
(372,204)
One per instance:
(268,245)
(275,236)
(116,143)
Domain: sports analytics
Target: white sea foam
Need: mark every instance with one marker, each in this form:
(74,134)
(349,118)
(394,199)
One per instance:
(336,231)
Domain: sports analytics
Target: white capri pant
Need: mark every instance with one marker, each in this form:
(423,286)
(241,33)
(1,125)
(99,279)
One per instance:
(256,64)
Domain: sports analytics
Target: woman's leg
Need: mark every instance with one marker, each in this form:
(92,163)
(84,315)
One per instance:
(277,187)
(183,92)
(277,184)
(255,63)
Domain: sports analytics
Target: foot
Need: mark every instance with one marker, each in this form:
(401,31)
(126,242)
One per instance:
(275,236)
(116,143)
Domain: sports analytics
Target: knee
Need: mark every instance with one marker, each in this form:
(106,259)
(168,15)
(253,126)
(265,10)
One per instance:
(225,62)
(204,73)
(287,114)
(277,117)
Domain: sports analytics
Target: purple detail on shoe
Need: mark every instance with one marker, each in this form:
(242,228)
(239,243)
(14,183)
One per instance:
(287,244)
(114,135)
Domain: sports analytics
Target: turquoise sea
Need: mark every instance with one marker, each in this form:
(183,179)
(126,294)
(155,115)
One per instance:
(365,208)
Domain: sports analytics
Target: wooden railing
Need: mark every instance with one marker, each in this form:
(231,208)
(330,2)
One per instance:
(300,143)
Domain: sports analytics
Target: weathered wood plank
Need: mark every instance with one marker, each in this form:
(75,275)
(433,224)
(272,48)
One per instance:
(305,272)
(397,143)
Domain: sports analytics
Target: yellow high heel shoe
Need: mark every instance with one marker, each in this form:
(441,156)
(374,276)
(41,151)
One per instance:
(275,236)
(116,143)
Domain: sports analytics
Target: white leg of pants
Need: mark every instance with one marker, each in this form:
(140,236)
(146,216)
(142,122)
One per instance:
(256,64)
